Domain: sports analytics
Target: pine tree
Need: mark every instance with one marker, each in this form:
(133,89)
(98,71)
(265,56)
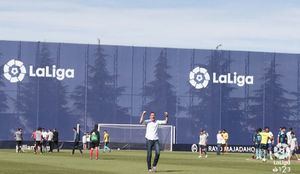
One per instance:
(44,100)
(269,105)
(294,118)
(160,90)
(3,96)
(214,108)
(102,106)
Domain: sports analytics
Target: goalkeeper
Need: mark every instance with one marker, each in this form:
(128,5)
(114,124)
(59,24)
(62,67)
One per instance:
(106,141)
(152,141)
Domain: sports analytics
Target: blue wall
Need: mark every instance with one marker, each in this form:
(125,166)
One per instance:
(113,84)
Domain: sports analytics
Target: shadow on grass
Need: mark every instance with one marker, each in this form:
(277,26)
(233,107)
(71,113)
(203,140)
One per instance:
(170,171)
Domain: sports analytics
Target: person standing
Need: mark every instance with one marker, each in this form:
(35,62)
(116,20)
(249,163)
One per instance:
(76,140)
(38,140)
(256,142)
(88,140)
(282,137)
(55,139)
(95,141)
(203,137)
(19,140)
(152,140)
(44,139)
(270,142)
(220,142)
(106,141)
(289,136)
(225,136)
(84,142)
(293,146)
(50,140)
(265,136)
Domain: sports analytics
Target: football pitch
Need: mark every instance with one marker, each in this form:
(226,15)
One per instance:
(133,162)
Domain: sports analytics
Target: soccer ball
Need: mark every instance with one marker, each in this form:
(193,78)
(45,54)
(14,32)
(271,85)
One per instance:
(118,148)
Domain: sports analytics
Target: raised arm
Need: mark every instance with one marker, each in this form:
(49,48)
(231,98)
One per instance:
(142,117)
(166,117)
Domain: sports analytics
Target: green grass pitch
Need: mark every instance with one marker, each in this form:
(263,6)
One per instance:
(133,162)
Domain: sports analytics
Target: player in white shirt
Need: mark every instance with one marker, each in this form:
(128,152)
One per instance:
(289,136)
(44,139)
(203,137)
(152,140)
(293,146)
(88,140)
(84,141)
(220,141)
(50,140)
(37,135)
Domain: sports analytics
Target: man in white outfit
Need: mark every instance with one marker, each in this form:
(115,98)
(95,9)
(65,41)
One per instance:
(203,137)
(220,141)
(289,136)
(293,146)
(152,140)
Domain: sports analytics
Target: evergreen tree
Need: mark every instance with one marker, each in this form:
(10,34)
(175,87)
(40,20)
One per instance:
(3,96)
(269,106)
(214,108)
(102,106)
(44,100)
(294,118)
(160,90)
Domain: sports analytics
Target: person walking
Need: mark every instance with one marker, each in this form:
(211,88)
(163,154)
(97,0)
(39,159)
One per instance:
(76,140)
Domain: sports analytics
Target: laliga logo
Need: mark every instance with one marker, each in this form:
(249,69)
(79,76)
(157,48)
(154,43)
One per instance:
(14,71)
(199,78)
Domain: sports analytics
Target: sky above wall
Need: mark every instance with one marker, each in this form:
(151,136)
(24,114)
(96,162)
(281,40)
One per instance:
(269,25)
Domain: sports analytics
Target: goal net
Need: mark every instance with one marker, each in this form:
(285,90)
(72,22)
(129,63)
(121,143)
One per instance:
(132,136)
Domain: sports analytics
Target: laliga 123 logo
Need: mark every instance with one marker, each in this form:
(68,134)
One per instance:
(282,163)
(14,71)
(282,151)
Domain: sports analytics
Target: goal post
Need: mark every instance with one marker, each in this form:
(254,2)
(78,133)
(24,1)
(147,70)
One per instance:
(132,136)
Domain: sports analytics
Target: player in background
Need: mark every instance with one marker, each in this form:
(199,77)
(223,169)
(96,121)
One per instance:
(106,141)
(76,140)
(152,140)
(19,140)
(38,140)
(44,139)
(88,140)
(289,136)
(270,142)
(257,143)
(55,139)
(225,136)
(203,137)
(282,137)
(84,142)
(95,141)
(264,144)
(294,146)
(33,136)
(50,140)
(220,142)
